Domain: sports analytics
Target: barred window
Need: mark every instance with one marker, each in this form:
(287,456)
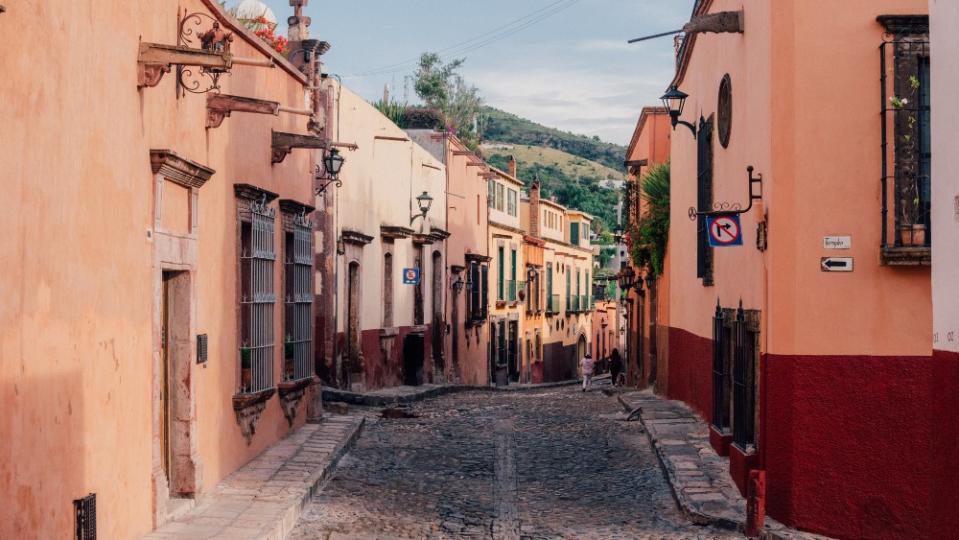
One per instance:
(478,287)
(298,347)
(258,296)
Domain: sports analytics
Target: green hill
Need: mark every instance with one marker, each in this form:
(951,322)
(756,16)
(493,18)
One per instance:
(575,182)
(501,126)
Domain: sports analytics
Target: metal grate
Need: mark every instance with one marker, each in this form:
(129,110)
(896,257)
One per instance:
(720,346)
(85,510)
(202,348)
(906,133)
(298,345)
(744,394)
(258,299)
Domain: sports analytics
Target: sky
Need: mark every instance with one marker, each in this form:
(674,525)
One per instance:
(571,69)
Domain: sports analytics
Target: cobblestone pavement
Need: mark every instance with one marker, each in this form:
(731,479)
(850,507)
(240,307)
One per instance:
(551,464)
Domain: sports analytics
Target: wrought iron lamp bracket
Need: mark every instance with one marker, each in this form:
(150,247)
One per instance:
(321,176)
(213,41)
(677,121)
(733,209)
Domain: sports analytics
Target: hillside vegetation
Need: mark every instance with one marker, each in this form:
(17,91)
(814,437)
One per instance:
(572,166)
(501,126)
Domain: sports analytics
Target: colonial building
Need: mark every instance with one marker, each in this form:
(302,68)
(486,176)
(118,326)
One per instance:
(467,218)
(391,257)
(564,279)
(507,280)
(799,286)
(647,299)
(161,292)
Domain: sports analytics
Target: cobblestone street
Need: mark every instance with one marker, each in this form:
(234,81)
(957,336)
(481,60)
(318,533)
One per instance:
(543,464)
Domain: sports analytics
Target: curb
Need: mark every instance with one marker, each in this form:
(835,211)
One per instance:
(371,400)
(773,530)
(318,479)
(693,515)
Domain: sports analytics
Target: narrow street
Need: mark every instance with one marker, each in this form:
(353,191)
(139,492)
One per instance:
(541,464)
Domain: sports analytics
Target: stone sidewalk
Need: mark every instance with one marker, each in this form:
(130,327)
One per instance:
(699,478)
(398,395)
(263,500)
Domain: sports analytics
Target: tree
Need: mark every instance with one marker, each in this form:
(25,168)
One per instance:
(442,88)
(649,237)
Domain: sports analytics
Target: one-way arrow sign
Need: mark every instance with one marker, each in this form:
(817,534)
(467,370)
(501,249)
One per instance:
(836,264)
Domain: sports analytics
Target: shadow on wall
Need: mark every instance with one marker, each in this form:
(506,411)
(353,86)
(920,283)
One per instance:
(41,455)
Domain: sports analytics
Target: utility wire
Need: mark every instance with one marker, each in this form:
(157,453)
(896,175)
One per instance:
(485,38)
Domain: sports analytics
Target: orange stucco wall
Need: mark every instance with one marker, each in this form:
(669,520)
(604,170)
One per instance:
(820,158)
(651,142)
(77,329)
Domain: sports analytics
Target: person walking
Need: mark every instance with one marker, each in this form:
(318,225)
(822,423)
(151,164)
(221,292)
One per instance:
(586,364)
(615,366)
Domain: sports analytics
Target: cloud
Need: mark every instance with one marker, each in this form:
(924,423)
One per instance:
(604,45)
(578,100)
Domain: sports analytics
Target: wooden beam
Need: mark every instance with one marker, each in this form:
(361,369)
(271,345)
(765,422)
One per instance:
(220,106)
(284,143)
(156,59)
(717,23)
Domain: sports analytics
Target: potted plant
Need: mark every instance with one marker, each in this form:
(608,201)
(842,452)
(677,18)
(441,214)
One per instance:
(246,364)
(911,231)
(288,354)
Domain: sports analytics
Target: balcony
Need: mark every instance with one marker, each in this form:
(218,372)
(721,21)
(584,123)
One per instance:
(552,304)
(574,306)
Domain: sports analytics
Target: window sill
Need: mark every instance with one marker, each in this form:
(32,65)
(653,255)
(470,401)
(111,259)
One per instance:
(291,393)
(248,408)
(906,256)
(286,388)
(246,400)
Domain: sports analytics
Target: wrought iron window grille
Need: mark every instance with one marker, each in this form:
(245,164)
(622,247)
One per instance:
(298,345)
(906,181)
(85,512)
(258,298)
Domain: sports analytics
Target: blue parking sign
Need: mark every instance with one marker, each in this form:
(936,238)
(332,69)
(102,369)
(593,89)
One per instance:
(411,276)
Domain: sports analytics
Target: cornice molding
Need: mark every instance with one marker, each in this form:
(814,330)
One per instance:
(179,170)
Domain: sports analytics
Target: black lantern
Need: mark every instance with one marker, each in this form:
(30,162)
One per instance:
(458,284)
(333,162)
(675,101)
(425,202)
(626,278)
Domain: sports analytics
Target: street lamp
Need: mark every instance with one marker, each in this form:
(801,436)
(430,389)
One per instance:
(332,164)
(425,202)
(458,284)
(675,101)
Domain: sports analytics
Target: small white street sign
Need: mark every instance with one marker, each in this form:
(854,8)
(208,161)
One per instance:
(837,242)
(836,264)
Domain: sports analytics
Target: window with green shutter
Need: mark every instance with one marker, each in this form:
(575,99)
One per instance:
(574,234)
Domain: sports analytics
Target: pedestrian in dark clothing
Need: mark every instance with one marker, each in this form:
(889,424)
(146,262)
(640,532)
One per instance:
(615,366)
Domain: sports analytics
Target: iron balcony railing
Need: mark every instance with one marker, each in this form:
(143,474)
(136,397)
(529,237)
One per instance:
(552,304)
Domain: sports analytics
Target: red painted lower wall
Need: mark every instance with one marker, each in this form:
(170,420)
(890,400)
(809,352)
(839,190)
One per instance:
(945,429)
(690,371)
(856,446)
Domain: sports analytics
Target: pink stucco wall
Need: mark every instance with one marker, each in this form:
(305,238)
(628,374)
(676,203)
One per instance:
(77,332)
